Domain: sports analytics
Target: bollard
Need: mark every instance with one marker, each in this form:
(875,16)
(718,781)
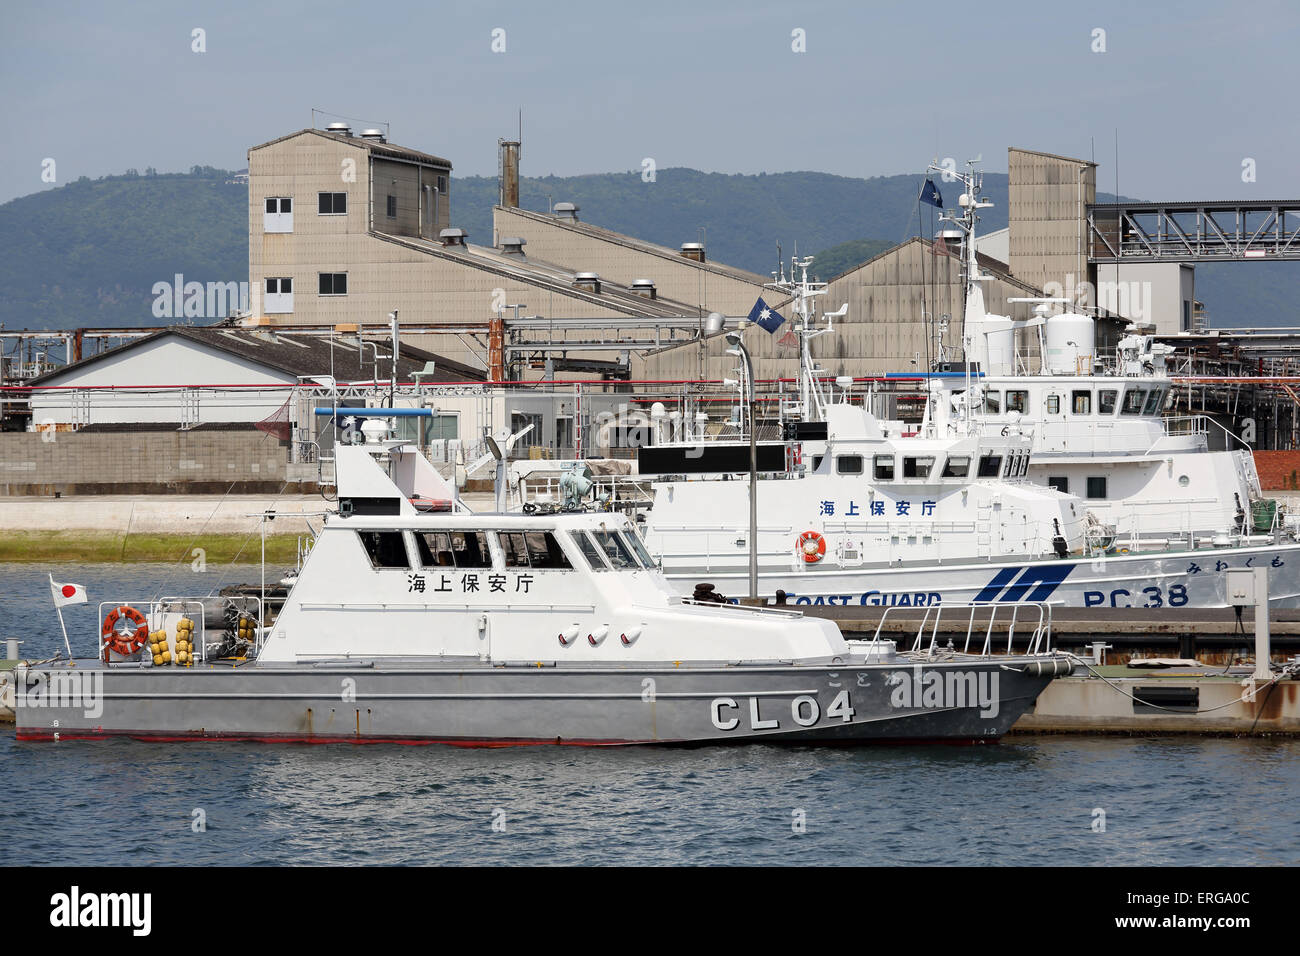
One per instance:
(11,648)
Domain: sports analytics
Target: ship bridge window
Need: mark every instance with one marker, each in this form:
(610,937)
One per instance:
(1053,404)
(993,402)
(1134,399)
(386,549)
(616,550)
(990,465)
(1154,402)
(590,550)
(1106,401)
(1081,402)
(918,467)
(883,467)
(848,464)
(639,549)
(1017,400)
(533,549)
(957,466)
(1060,482)
(1097,487)
(453,549)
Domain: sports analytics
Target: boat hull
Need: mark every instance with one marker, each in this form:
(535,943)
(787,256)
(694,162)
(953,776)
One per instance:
(956,700)
(1144,580)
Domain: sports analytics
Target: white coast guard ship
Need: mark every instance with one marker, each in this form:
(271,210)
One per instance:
(413,620)
(1096,422)
(857,510)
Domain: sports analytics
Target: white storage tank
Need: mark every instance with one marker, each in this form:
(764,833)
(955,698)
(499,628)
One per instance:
(1070,340)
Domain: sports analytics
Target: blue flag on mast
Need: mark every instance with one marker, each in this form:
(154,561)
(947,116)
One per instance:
(930,194)
(767,319)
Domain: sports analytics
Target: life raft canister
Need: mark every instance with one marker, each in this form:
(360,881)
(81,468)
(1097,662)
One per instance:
(124,642)
(812,546)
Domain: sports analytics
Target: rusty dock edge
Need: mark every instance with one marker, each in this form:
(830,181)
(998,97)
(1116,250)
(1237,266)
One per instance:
(1116,699)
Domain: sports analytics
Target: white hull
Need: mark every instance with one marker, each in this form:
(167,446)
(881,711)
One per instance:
(1150,581)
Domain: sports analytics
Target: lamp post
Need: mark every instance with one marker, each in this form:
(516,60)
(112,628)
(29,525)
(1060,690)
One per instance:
(738,348)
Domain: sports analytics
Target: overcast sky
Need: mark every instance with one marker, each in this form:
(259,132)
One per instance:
(1193,88)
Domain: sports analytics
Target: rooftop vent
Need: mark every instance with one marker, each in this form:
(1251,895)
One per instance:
(513,245)
(693,251)
(342,129)
(645,287)
(453,237)
(566,210)
(375,134)
(586,280)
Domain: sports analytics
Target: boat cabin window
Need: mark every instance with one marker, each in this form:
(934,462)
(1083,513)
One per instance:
(1134,399)
(884,467)
(993,402)
(990,465)
(918,467)
(533,549)
(638,548)
(1097,487)
(1106,401)
(386,549)
(453,549)
(616,550)
(1053,404)
(1081,403)
(848,464)
(1154,402)
(957,466)
(1017,400)
(590,551)
(817,462)
(1060,482)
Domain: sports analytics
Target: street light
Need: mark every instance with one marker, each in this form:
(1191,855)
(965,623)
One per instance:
(738,348)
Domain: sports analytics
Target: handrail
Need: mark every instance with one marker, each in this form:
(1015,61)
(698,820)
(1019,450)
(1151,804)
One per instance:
(1040,641)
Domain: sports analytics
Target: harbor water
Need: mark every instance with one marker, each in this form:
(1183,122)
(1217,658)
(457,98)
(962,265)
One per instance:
(1114,801)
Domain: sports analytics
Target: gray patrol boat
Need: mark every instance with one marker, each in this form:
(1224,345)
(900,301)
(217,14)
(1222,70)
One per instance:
(414,620)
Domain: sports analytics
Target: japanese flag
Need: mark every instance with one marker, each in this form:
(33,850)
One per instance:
(65,594)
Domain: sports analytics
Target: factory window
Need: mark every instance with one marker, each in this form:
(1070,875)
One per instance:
(333,283)
(1060,482)
(590,551)
(533,549)
(453,549)
(1134,399)
(279,286)
(1106,401)
(332,204)
(1096,487)
(386,549)
(1053,404)
(1017,400)
(442,185)
(392,207)
(1082,402)
(884,467)
(279,296)
(848,464)
(1154,402)
(993,402)
(990,465)
(278,214)
(957,466)
(918,467)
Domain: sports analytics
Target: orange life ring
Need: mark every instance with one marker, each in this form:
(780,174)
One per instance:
(124,642)
(812,546)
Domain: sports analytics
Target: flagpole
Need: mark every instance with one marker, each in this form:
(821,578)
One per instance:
(63,627)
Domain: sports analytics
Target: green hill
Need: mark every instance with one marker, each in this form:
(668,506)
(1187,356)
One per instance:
(89,253)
